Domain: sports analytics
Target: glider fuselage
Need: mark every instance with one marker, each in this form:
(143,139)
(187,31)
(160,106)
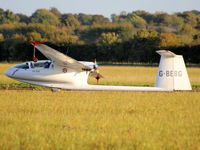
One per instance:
(46,71)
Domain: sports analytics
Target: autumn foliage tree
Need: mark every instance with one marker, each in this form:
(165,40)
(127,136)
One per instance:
(45,17)
(109,38)
(126,37)
(168,40)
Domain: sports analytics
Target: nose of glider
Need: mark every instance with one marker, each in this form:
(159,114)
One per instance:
(8,72)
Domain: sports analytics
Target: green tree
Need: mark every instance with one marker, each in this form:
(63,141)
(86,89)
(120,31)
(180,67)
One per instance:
(108,38)
(45,17)
(190,18)
(148,17)
(23,18)
(170,21)
(121,19)
(8,17)
(99,19)
(162,19)
(92,33)
(176,21)
(55,11)
(137,21)
(33,36)
(126,31)
(185,39)
(147,34)
(69,20)
(187,29)
(85,19)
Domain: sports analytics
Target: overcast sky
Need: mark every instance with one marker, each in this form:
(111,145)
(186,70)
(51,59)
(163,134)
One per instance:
(104,7)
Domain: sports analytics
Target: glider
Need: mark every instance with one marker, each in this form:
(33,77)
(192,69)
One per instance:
(64,72)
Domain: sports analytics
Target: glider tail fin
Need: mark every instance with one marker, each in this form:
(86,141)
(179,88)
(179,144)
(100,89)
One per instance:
(172,73)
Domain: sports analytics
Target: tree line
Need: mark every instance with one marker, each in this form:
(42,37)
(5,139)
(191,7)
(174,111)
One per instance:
(125,37)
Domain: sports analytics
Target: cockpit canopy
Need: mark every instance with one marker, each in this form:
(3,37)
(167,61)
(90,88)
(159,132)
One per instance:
(32,65)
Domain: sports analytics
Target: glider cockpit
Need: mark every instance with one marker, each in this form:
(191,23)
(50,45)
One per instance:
(35,65)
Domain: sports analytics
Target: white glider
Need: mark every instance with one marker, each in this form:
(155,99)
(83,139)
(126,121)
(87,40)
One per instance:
(64,72)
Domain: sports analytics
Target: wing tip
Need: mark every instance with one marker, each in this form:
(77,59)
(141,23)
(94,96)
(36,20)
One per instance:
(34,43)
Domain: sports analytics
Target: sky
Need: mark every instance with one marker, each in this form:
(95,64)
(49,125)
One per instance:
(103,7)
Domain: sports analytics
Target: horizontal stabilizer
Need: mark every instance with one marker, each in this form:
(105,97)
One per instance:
(166,53)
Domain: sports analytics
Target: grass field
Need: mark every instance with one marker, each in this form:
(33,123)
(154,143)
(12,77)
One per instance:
(73,120)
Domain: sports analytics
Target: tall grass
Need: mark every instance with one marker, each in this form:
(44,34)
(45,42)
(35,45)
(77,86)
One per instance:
(73,120)
(118,75)
(99,120)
